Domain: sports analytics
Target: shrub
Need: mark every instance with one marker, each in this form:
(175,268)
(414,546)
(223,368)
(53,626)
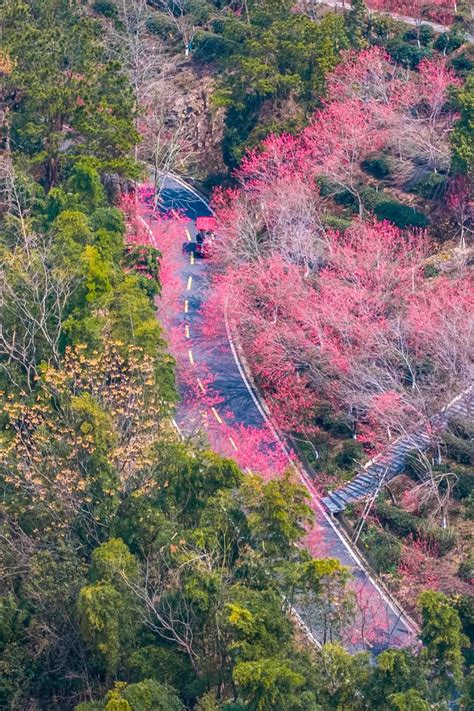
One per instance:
(162,26)
(448,42)
(466,570)
(326,419)
(464,486)
(200,10)
(335,222)
(430,187)
(443,539)
(405,524)
(469,507)
(326,187)
(407,54)
(371,197)
(317,449)
(459,449)
(401,215)
(400,522)
(347,199)
(105,8)
(208,47)
(378,166)
(464,604)
(462,64)
(382,26)
(215,180)
(424,34)
(349,455)
(459,439)
(430,271)
(383,550)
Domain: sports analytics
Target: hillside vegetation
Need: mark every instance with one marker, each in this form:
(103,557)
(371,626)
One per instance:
(139,571)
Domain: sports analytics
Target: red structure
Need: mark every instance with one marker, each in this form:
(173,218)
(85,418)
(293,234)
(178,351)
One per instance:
(206,223)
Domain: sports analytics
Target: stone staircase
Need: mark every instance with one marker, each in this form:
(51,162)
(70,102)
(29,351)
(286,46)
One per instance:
(392,461)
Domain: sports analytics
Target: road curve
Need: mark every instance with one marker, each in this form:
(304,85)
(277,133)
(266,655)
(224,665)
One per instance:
(345,6)
(379,623)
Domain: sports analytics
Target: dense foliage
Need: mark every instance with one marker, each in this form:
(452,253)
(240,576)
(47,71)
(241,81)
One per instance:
(346,308)
(139,572)
(274,59)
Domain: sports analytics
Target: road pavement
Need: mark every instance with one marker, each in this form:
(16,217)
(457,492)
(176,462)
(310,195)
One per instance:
(379,623)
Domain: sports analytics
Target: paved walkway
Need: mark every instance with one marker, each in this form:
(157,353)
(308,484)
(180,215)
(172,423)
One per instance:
(393,460)
(379,623)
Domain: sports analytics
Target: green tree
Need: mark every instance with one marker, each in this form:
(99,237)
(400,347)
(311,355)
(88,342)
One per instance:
(146,695)
(107,608)
(67,99)
(281,56)
(325,595)
(397,673)
(270,685)
(101,610)
(408,701)
(467,700)
(356,24)
(441,632)
(341,678)
(84,183)
(463,135)
(277,515)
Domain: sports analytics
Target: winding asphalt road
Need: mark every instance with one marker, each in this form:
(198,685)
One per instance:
(379,624)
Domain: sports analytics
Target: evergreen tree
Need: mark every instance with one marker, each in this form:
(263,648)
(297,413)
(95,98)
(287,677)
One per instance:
(441,633)
(463,134)
(67,99)
(356,24)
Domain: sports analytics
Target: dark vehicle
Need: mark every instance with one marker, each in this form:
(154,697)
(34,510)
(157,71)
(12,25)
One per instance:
(205,236)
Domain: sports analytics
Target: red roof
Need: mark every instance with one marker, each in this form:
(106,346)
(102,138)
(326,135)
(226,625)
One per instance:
(206,223)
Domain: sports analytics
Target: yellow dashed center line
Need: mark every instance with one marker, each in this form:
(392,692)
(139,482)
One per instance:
(190,353)
(216,415)
(233,443)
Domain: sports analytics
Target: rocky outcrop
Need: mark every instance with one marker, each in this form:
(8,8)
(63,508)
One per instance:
(192,105)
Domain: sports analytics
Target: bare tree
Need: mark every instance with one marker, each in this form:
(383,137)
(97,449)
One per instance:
(166,133)
(169,611)
(183,20)
(435,488)
(293,214)
(34,287)
(141,53)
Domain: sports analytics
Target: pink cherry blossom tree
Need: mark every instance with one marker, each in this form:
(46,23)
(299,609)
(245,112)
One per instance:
(338,139)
